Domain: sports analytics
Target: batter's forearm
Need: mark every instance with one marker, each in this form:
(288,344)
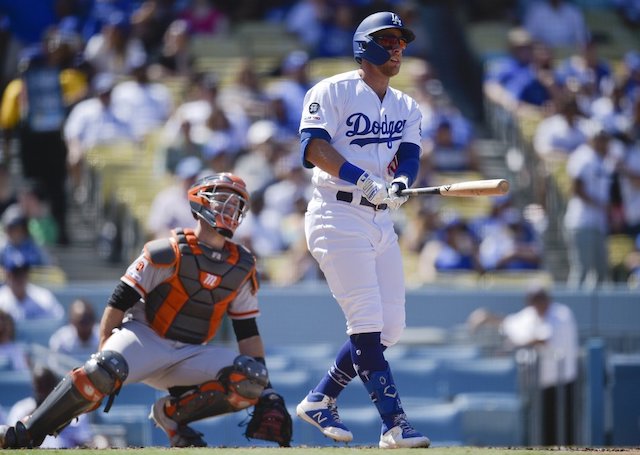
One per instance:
(323,155)
(111,318)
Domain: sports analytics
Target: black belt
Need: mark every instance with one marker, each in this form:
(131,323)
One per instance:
(345,196)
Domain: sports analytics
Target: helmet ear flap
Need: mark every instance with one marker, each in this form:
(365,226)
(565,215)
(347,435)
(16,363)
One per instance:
(371,51)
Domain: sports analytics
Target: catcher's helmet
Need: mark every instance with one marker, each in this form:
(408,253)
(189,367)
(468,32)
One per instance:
(364,47)
(221,200)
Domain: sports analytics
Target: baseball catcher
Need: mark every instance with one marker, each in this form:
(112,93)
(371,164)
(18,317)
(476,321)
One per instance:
(156,327)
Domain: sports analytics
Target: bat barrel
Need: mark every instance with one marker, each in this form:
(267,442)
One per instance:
(492,187)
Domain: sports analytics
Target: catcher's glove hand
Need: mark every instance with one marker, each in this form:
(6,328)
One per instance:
(270,420)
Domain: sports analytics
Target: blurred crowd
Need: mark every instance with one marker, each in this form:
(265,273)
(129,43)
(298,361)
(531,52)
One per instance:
(79,74)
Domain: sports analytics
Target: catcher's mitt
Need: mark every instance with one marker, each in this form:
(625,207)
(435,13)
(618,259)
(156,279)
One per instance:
(270,420)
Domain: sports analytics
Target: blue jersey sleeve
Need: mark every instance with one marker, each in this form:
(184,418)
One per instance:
(305,136)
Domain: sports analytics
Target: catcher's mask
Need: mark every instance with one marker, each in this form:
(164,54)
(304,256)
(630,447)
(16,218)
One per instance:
(221,200)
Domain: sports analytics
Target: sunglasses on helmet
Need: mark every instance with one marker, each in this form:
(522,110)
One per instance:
(391,42)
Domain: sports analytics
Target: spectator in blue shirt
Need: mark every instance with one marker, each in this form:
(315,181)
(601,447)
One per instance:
(18,240)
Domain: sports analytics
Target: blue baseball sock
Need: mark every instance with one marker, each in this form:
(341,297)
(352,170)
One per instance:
(340,373)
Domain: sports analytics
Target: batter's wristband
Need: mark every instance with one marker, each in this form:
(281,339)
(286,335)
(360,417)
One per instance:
(350,172)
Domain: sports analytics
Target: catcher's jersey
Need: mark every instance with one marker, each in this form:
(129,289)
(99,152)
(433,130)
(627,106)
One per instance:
(365,130)
(187,287)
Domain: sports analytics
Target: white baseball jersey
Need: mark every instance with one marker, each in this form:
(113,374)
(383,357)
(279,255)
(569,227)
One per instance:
(365,130)
(355,245)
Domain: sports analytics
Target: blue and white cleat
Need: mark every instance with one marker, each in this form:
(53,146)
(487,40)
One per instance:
(321,411)
(402,435)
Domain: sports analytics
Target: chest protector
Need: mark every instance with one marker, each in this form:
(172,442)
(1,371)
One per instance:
(189,306)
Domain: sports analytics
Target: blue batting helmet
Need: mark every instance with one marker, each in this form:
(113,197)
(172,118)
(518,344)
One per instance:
(364,47)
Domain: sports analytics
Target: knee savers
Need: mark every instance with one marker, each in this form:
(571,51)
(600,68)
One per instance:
(236,387)
(244,381)
(80,391)
(104,371)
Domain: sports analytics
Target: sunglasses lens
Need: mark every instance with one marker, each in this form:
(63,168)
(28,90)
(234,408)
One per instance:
(390,42)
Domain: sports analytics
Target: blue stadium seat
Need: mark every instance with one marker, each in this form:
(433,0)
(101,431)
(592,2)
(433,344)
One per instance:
(418,377)
(480,375)
(364,423)
(447,352)
(134,418)
(37,331)
(14,386)
(303,356)
(137,394)
(293,385)
(440,422)
(492,419)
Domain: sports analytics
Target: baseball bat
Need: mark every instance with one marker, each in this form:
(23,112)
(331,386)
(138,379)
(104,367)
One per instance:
(494,187)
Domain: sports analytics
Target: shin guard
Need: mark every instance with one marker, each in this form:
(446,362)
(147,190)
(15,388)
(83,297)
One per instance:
(80,391)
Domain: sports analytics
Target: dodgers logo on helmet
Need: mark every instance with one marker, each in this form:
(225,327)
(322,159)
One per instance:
(364,47)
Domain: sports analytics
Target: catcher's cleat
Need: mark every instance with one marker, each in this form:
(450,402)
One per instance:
(402,435)
(321,411)
(180,435)
(16,437)
(7,437)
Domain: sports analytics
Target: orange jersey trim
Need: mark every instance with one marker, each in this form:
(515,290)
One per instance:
(172,306)
(244,314)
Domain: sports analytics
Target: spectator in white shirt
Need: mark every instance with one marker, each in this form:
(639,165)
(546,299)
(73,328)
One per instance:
(170,208)
(114,50)
(90,123)
(80,337)
(24,300)
(586,216)
(145,105)
(550,328)
(13,357)
(561,133)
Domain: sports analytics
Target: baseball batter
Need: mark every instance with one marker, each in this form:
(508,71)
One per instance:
(168,305)
(361,137)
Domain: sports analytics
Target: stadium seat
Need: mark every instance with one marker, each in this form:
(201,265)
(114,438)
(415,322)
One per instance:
(293,385)
(491,419)
(446,352)
(441,422)
(317,355)
(37,331)
(135,420)
(364,423)
(419,378)
(480,375)
(137,394)
(14,386)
